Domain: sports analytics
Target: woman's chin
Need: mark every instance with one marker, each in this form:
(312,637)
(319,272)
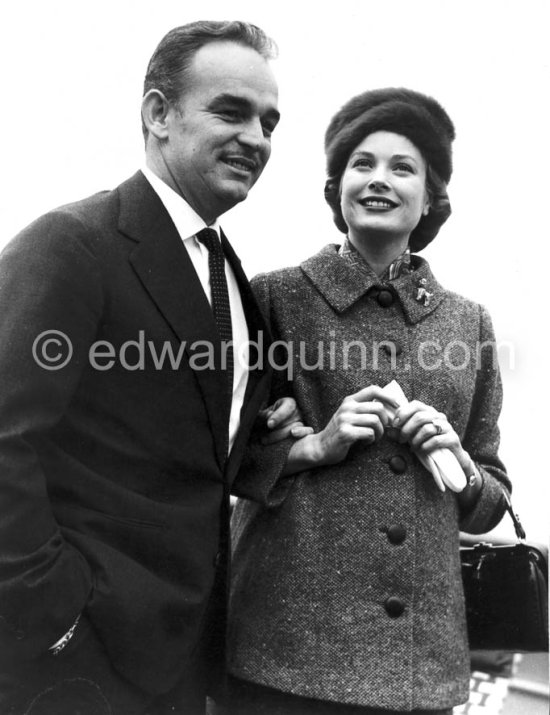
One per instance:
(379,233)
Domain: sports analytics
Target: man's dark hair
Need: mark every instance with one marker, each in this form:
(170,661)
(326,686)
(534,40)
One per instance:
(171,60)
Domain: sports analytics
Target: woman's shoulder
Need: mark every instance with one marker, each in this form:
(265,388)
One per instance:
(291,274)
(280,275)
(471,309)
(454,300)
(473,317)
(461,301)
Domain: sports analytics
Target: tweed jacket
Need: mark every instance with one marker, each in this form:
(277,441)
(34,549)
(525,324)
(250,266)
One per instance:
(346,580)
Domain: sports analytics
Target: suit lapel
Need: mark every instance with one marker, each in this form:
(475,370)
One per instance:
(167,273)
(258,375)
(258,332)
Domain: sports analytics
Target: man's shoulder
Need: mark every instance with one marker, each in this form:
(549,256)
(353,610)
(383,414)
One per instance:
(84,221)
(87,211)
(100,206)
(90,210)
(62,230)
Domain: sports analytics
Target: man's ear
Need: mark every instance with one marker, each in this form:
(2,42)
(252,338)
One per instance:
(154,113)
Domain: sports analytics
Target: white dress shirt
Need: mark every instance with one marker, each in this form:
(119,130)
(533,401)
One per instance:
(188,223)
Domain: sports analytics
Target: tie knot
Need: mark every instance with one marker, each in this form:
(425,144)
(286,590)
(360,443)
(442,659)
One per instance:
(209,238)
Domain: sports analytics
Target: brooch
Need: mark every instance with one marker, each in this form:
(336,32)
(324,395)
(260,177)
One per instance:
(422,295)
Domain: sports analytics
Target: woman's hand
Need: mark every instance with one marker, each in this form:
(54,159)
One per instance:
(283,419)
(360,417)
(426,429)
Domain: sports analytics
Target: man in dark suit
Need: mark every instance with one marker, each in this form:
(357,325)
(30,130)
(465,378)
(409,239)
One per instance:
(124,416)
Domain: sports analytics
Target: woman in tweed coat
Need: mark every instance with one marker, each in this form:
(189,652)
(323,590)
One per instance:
(346,587)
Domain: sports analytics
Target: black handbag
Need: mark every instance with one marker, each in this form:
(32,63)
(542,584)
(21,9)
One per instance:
(506,591)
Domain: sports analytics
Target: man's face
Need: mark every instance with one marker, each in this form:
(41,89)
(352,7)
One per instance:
(219,133)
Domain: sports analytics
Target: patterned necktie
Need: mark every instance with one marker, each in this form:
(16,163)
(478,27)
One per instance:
(220,300)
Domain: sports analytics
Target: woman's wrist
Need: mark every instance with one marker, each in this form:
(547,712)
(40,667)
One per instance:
(304,454)
(473,477)
(474,481)
(469,468)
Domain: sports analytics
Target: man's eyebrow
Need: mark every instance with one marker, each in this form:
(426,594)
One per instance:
(227,98)
(241,102)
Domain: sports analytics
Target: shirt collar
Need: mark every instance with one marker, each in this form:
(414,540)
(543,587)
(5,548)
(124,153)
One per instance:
(186,220)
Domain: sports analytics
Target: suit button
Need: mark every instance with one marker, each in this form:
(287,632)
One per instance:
(398,464)
(394,606)
(397,533)
(385,298)
(393,347)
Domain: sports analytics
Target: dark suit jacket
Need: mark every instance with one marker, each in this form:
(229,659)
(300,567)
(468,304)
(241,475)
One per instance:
(113,476)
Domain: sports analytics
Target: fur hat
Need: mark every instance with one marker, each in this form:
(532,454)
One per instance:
(403,111)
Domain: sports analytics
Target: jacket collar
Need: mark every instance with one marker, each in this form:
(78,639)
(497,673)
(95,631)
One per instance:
(342,284)
(159,256)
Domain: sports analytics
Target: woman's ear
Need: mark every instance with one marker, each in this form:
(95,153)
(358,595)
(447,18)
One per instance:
(154,112)
(427,203)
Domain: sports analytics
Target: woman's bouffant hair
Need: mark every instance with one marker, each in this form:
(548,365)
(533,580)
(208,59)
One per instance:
(403,111)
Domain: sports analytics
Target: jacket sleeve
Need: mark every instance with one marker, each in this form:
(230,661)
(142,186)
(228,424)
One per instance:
(50,303)
(482,436)
(259,477)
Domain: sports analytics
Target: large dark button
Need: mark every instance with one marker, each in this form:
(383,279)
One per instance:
(385,298)
(397,533)
(392,347)
(394,606)
(398,464)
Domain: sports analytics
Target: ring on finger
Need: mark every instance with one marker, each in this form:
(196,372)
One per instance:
(438,427)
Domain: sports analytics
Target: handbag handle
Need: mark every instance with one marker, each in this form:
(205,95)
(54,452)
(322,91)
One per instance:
(518,528)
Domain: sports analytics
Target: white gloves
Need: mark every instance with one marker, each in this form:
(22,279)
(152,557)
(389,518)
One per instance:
(442,463)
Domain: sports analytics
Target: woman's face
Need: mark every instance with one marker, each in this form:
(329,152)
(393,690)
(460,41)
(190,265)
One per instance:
(383,187)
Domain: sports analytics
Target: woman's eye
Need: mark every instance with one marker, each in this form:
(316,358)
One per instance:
(403,167)
(362,163)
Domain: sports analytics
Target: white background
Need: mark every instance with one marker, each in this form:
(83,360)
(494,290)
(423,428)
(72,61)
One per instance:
(71,89)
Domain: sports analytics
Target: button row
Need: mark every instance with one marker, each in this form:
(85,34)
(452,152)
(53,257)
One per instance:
(396,534)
